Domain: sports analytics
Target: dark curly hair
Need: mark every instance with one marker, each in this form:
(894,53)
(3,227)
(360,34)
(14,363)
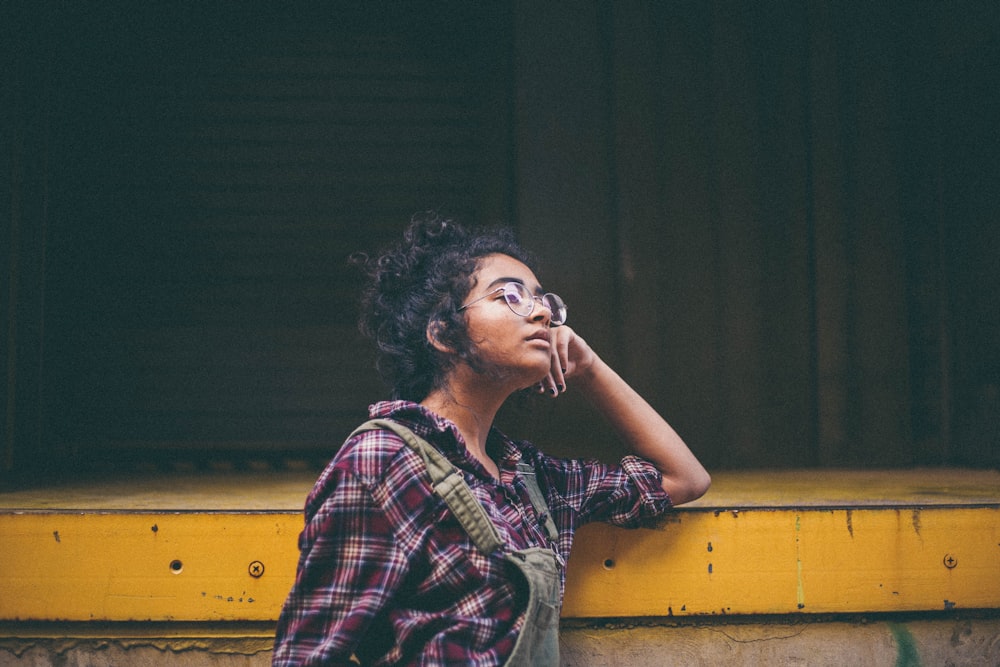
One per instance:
(420,281)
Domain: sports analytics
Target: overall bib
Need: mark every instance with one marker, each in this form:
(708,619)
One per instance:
(538,643)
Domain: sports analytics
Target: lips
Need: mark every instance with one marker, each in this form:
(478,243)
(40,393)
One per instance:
(542,334)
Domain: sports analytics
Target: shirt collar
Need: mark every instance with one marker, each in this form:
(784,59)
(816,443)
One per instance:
(427,424)
(419,419)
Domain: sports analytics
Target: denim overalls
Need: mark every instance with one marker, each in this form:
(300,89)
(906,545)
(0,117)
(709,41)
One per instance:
(538,643)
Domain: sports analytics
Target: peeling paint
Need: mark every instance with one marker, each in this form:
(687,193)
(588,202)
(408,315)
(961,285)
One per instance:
(231,598)
(55,534)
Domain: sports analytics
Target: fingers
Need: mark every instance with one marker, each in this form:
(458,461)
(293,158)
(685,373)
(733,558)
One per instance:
(554,383)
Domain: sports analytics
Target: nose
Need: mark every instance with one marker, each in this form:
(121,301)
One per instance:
(541,310)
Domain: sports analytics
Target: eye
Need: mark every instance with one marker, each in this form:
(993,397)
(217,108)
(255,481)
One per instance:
(514,293)
(518,299)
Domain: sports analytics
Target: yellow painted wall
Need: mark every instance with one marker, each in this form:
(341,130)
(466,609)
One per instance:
(206,548)
(238,566)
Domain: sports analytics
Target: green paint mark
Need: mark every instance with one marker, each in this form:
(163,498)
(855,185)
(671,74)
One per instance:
(906,647)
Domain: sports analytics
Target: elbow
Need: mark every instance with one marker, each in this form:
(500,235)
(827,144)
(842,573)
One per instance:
(690,488)
(698,485)
(702,484)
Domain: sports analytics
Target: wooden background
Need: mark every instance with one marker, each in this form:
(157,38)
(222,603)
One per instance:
(778,220)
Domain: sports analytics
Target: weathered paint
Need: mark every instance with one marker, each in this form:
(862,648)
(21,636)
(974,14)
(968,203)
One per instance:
(136,567)
(930,541)
(790,561)
(201,566)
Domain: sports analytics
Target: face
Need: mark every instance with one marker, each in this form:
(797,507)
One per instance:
(513,348)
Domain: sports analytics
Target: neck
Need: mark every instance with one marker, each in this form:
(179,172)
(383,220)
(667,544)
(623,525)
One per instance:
(472,404)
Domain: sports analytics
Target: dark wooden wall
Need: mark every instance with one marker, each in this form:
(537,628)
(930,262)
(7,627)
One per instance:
(209,172)
(777,220)
(790,215)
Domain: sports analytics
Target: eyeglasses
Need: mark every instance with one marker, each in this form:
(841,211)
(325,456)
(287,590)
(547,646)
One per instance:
(522,302)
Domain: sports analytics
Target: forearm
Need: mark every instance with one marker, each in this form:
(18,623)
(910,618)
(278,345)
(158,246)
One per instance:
(645,431)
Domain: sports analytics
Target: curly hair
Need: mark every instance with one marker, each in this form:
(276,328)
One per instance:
(421,282)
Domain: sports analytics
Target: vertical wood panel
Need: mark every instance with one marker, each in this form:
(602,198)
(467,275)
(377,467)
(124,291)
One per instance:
(725,273)
(832,259)
(880,343)
(784,215)
(640,224)
(24,201)
(969,165)
(680,250)
(737,229)
(565,207)
(245,153)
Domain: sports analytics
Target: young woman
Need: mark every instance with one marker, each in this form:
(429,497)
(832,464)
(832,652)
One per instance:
(432,538)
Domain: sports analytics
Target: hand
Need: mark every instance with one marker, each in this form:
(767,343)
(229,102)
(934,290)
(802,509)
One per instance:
(571,356)
(639,425)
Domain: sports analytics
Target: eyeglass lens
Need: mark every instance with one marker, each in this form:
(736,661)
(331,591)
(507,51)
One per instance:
(522,302)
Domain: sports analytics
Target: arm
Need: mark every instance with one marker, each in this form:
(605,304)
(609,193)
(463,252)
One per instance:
(641,427)
(346,545)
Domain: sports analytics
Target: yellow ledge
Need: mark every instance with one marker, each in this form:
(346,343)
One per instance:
(223,548)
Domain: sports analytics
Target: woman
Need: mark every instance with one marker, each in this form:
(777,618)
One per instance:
(431,538)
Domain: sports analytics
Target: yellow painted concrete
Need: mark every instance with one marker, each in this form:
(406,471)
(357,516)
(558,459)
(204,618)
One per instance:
(273,490)
(183,548)
(138,566)
(788,561)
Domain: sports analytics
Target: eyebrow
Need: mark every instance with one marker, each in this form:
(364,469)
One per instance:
(503,280)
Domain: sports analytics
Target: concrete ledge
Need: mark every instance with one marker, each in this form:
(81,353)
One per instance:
(222,548)
(969,641)
(781,561)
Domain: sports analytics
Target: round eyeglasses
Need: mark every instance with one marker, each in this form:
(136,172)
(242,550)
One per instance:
(522,302)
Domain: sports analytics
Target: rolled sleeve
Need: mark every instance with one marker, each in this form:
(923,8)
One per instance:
(653,500)
(628,494)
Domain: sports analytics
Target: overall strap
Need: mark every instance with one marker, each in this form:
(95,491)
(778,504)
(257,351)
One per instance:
(527,472)
(448,483)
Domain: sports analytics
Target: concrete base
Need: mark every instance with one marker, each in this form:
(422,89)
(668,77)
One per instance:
(816,644)
(957,642)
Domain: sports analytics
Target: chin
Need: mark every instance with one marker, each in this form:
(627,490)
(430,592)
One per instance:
(524,375)
(538,377)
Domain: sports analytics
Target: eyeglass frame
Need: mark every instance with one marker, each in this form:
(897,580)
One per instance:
(535,298)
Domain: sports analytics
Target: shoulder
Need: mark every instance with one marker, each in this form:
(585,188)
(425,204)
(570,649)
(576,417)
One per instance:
(373,460)
(368,454)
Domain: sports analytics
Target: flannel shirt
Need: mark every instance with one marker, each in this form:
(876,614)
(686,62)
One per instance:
(387,573)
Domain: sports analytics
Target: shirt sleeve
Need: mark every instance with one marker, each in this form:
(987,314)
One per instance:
(628,494)
(350,564)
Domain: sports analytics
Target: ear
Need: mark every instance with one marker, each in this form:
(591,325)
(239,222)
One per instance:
(434,330)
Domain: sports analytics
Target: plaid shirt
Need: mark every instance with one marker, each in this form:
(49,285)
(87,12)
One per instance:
(387,573)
